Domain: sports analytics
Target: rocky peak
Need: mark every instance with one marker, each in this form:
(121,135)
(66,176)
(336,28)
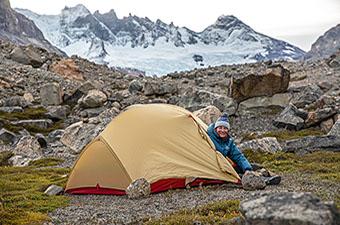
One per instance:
(326,44)
(5,4)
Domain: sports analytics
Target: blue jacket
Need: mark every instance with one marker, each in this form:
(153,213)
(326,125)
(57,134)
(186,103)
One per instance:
(228,148)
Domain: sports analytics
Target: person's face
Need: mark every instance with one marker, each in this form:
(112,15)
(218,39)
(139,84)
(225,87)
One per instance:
(222,132)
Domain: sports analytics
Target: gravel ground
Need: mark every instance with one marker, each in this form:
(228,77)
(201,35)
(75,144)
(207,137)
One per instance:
(108,209)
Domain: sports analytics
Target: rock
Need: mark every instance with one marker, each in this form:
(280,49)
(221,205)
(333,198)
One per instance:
(12,109)
(334,60)
(311,143)
(138,189)
(277,100)
(158,89)
(27,55)
(67,68)
(267,144)
(335,128)
(19,160)
(93,99)
(197,99)
(251,181)
(318,116)
(291,118)
(225,104)
(274,80)
(208,114)
(41,140)
(306,95)
(51,94)
(288,208)
(80,91)
(59,112)
(28,97)
(54,190)
(7,136)
(92,112)
(55,135)
(135,86)
(42,124)
(18,101)
(327,125)
(78,135)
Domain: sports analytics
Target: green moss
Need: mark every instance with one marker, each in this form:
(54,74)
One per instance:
(320,164)
(22,199)
(213,213)
(4,157)
(27,114)
(45,162)
(283,135)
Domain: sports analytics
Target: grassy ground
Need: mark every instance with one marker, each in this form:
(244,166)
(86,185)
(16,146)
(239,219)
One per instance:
(22,200)
(317,166)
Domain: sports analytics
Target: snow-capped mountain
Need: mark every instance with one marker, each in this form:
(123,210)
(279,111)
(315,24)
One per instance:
(157,47)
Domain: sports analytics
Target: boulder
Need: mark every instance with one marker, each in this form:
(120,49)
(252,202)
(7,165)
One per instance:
(138,189)
(288,208)
(11,109)
(135,86)
(319,115)
(252,181)
(27,55)
(51,94)
(208,114)
(67,68)
(78,135)
(59,112)
(18,101)
(26,150)
(7,136)
(311,143)
(327,125)
(54,190)
(267,144)
(291,118)
(278,100)
(225,104)
(335,128)
(159,89)
(273,80)
(93,99)
(306,95)
(80,91)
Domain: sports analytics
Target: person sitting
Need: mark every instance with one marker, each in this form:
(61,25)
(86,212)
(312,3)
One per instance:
(224,143)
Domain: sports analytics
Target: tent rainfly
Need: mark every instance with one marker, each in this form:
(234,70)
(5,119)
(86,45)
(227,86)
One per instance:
(165,144)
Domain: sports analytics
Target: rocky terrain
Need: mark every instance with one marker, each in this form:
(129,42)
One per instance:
(52,106)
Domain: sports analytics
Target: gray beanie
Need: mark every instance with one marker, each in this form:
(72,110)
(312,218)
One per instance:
(223,121)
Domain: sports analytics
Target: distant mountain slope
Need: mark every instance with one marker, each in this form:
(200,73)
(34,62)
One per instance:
(157,47)
(17,28)
(326,44)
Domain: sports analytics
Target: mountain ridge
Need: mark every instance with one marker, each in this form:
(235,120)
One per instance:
(157,47)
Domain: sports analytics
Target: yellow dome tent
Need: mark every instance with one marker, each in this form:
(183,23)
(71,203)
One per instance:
(165,144)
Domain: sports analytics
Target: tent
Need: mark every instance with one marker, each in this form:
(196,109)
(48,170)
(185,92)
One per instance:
(165,144)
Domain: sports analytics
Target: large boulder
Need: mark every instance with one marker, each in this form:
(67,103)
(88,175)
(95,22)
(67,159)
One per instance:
(27,55)
(18,101)
(291,118)
(306,95)
(7,137)
(311,143)
(251,181)
(82,90)
(273,80)
(208,114)
(51,94)
(267,144)
(288,208)
(26,150)
(159,89)
(93,99)
(319,115)
(280,100)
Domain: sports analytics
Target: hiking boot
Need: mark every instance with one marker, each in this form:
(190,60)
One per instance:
(273,180)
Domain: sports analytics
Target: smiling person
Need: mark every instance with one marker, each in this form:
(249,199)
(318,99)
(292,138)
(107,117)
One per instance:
(224,143)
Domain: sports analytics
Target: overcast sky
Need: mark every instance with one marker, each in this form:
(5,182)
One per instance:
(300,22)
